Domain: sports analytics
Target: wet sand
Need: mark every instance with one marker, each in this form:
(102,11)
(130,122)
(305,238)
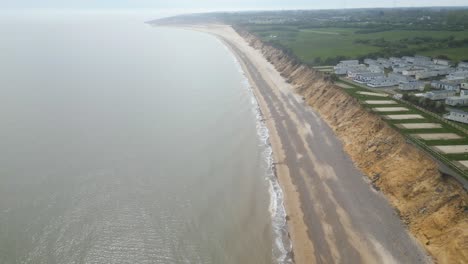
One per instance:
(334,215)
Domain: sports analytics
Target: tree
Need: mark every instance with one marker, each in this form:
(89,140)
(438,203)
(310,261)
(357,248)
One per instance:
(334,77)
(442,57)
(439,107)
(422,101)
(317,60)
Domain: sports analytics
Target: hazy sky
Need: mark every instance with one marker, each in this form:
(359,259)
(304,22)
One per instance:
(220,4)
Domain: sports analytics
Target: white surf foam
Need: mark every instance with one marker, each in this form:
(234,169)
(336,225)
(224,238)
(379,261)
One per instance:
(282,247)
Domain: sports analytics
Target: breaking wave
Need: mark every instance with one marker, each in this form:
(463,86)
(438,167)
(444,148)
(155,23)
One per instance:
(282,247)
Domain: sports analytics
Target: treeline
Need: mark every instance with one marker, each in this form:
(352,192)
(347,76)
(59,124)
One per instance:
(373,30)
(382,43)
(424,42)
(268,28)
(384,53)
(327,61)
(412,26)
(435,43)
(410,46)
(367,20)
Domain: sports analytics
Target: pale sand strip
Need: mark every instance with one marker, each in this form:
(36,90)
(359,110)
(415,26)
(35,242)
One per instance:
(464,163)
(380,102)
(455,149)
(390,109)
(419,125)
(403,117)
(437,136)
(373,94)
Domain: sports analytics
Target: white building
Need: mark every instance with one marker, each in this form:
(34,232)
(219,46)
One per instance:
(349,62)
(366,77)
(394,60)
(426,74)
(450,86)
(421,60)
(408,59)
(448,69)
(457,115)
(441,62)
(463,65)
(341,69)
(411,86)
(382,60)
(439,95)
(420,57)
(385,63)
(437,85)
(457,100)
(432,73)
(355,71)
(370,62)
(382,82)
(400,78)
(399,68)
(464,85)
(458,75)
(413,71)
(376,68)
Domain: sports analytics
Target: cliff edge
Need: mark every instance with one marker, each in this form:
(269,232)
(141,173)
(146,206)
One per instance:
(434,207)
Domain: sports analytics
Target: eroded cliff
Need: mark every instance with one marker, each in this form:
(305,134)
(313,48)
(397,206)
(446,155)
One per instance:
(434,207)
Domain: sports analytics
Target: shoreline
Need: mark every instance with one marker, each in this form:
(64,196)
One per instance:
(280,230)
(280,170)
(318,233)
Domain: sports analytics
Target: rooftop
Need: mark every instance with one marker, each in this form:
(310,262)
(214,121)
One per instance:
(455,110)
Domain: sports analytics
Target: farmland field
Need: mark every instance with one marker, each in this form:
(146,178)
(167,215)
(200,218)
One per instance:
(319,46)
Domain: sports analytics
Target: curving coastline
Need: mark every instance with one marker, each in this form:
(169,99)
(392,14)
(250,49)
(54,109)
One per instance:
(433,207)
(327,158)
(334,216)
(282,248)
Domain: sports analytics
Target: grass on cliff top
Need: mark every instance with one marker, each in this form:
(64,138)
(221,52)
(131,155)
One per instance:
(446,128)
(325,43)
(447,142)
(457,156)
(412,110)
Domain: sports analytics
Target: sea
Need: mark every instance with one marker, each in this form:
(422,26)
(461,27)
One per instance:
(121,142)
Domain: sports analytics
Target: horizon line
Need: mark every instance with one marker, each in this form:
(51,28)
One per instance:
(214,10)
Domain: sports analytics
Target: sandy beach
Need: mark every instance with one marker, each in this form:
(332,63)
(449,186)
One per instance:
(334,214)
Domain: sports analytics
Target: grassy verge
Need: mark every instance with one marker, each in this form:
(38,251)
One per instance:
(447,127)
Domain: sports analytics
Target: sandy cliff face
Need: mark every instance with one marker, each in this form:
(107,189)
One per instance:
(434,207)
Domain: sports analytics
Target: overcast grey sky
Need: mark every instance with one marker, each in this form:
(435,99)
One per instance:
(219,4)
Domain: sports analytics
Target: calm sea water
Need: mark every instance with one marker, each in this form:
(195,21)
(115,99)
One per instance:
(124,143)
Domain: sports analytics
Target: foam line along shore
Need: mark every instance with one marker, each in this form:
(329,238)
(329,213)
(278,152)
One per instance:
(326,222)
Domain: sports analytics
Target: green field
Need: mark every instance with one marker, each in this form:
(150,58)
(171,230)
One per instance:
(328,43)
